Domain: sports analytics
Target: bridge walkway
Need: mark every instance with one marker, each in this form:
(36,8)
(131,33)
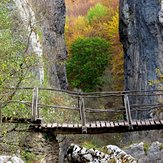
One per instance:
(83,126)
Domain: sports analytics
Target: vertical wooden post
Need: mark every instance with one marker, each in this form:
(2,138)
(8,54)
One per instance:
(38,109)
(124,112)
(78,102)
(128,111)
(82,115)
(35,112)
(0,114)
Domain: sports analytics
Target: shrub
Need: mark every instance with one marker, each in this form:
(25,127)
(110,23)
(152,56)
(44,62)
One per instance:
(96,12)
(89,57)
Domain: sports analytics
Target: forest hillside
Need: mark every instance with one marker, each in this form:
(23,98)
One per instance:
(94,19)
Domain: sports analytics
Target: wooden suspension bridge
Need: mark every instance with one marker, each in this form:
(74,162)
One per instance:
(84,125)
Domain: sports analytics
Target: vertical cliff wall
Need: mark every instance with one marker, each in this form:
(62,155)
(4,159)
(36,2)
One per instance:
(53,32)
(141,33)
(28,18)
(48,16)
(51,17)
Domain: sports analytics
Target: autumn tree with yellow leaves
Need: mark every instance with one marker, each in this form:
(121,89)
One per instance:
(97,18)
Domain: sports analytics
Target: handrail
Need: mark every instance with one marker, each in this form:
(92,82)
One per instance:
(127,108)
(91,93)
(90,110)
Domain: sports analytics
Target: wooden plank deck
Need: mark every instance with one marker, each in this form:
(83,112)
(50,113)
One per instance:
(21,120)
(97,127)
(101,127)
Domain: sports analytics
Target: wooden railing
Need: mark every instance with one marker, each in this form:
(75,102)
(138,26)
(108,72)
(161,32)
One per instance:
(35,109)
(83,110)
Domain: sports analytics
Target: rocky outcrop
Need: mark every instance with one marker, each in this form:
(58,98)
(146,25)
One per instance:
(53,34)
(146,153)
(45,21)
(28,18)
(77,154)
(10,159)
(51,15)
(140,153)
(141,33)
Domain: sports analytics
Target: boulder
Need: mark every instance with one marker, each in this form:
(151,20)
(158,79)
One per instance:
(146,153)
(137,150)
(111,154)
(10,159)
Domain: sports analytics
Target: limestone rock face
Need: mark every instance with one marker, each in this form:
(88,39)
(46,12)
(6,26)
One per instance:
(10,159)
(155,152)
(141,33)
(53,38)
(146,154)
(44,21)
(77,154)
(137,150)
(50,15)
(28,19)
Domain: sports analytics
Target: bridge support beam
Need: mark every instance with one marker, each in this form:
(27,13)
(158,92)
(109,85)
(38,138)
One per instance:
(0,114)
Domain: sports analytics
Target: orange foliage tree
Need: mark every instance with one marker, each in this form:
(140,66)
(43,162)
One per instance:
(76,27)
(106,26)
(77,8)
(117,59)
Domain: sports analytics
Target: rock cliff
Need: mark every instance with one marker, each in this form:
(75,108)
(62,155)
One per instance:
(141,33)
(112,154)
(146,153)
(45,20)
(140,153)
(53,16)
(10,159)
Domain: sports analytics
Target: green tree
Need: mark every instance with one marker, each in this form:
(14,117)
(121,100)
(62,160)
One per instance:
(15,63)
(10,48)
(89,58)
(96,12)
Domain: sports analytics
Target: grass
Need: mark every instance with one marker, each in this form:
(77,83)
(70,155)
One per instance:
(146,148)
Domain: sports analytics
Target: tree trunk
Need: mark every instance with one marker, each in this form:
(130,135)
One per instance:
(141,33)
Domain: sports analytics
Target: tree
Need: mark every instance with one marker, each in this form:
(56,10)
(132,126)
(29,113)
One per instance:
(15,66)
(89,58)
(104,24)
(117,60)
(96,12)
(141,33)
(76,28)
(13,61)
